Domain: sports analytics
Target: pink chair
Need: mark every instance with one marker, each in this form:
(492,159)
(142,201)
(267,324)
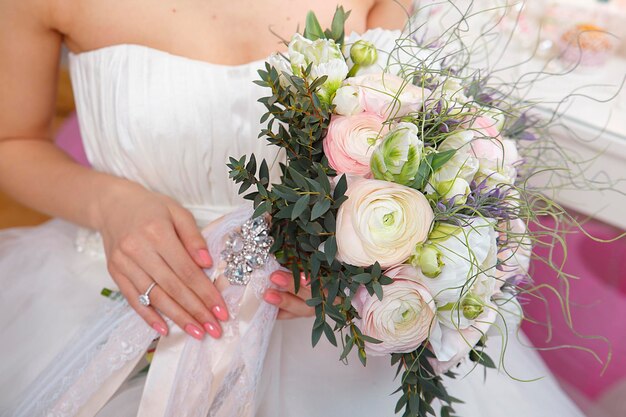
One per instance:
(598,307)
(69,140)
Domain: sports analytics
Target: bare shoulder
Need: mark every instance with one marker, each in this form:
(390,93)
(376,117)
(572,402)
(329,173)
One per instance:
(389,14)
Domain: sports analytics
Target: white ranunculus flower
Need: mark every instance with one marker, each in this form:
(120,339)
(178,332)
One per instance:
(381,221)
(403,319)
(466,252)
(347,101)
(325,57)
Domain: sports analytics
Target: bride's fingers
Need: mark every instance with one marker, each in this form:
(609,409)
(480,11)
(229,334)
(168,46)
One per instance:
(158,270)
(289,303)
(193,318)
(148,314)
(192,276)
(284,280)
(190,236)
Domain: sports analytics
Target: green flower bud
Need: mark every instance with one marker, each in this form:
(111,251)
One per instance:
(429,259)
(456,188)
(443,231)
(397,158)
(472,307)
(363,53)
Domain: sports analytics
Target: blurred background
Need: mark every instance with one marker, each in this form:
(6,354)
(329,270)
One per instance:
(545,32)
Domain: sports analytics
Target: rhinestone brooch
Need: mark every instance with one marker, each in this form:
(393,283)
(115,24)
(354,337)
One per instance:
(247,250)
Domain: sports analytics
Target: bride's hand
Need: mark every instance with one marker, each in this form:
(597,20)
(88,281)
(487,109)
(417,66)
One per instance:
(291,305)
(148,238)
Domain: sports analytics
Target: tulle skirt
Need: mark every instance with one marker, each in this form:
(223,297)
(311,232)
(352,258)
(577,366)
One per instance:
(50,291)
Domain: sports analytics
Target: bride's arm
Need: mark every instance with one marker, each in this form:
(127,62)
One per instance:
(389,14)
(148,237)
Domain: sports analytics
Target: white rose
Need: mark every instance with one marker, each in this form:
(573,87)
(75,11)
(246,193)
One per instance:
(347,101)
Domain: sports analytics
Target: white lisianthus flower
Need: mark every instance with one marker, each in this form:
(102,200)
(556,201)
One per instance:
(454,177)
(347,101)
(403,319)
(282,66)
(467,253)
(397,157)
(381,222)
(326,59)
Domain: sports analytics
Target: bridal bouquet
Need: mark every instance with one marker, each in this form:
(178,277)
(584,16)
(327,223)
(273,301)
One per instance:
(399,198)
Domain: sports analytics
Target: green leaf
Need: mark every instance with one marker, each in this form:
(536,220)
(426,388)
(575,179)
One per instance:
(262,208)
(320,208)
(482,358)
(378,289)
(341,187)
(440,158)
(313,29)
(330,335)
(330,249)
(300,206)
(347,348)
(363,278)
(316,335)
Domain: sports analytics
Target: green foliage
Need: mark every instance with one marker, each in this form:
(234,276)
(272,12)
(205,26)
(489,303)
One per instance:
(420,386)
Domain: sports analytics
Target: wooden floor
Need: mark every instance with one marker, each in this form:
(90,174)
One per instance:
(13,214)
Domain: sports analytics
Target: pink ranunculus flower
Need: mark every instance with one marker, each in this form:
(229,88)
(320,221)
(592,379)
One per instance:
(455,344)
(381,222)
(404,318)
(388,95)
(350,141)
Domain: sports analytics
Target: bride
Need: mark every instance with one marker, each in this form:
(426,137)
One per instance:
(165,95)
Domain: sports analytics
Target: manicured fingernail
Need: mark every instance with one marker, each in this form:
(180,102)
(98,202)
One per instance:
(220,313)
(280,278)
(205,258)
(194,331)
(213,330)
(160,328)
(303,280)
(272,298)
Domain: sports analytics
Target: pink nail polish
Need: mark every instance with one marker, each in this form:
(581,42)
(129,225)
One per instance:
(303,280)
(213,330)
(280,278)
(272,298)
(194,331)
(160,328)
(205,258)
(220,313)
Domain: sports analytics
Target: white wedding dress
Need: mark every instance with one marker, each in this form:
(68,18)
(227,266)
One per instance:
(170,123)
